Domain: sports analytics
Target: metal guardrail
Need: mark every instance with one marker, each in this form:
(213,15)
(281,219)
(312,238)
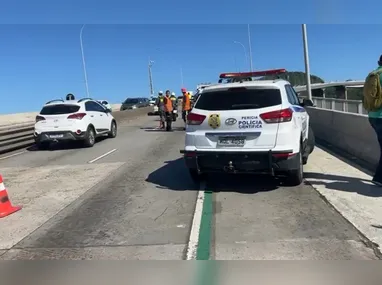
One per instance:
(350,106)
(14,137)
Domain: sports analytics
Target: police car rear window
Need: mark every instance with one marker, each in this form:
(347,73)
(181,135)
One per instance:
(238,99)
(59,109)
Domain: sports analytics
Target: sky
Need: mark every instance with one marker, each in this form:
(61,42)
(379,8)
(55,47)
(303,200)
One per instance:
(40,54)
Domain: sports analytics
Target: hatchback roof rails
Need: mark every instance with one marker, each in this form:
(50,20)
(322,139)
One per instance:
(55,100)
(84,99)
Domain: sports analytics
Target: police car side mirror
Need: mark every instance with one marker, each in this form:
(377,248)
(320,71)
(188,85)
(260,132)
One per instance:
(307,103)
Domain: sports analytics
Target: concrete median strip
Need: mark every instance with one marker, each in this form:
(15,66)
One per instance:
(19,136)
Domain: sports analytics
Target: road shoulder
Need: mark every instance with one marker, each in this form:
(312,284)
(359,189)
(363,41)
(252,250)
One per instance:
(348,190)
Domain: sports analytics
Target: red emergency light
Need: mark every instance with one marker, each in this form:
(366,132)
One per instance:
(252,74)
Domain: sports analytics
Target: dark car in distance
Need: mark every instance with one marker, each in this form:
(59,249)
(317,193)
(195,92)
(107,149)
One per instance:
(134,103)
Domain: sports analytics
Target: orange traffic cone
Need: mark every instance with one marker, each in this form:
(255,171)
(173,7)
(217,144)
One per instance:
(6,207)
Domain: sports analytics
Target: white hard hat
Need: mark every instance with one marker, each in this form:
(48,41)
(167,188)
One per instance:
(160,92)
(173,93)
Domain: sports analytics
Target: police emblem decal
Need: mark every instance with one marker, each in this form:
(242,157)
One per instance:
(214,121)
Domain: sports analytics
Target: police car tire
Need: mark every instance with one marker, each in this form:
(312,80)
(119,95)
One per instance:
(295,177)
(311,140)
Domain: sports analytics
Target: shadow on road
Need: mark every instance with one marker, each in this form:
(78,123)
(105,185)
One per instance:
(240,183)
(64,145)
(155,129)
(174,175)
(346,184)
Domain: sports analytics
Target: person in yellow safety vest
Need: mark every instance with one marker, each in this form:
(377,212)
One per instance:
(161,112)
(186,106)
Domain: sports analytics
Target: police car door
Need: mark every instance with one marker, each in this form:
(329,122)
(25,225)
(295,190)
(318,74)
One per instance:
(300,112)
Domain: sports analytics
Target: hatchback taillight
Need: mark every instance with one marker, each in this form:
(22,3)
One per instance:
(77,116)
(279,116)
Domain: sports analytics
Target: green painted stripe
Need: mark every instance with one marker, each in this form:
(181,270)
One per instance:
(207,272)
(204,244)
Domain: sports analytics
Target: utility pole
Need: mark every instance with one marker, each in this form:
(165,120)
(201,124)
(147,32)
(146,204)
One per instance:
(250,48)
(83,62)
(306,56)
(151,77)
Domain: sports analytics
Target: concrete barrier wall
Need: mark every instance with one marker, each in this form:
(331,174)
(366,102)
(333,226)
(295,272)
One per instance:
(349,132)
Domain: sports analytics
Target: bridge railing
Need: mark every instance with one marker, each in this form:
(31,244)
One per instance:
(349,106)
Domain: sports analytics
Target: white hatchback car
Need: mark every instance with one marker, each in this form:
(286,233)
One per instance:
(73,120)
(249,127)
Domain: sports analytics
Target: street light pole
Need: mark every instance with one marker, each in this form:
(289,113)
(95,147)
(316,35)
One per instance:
(250,48)
(306,56)
(83,62)
(245,50)
(151,77)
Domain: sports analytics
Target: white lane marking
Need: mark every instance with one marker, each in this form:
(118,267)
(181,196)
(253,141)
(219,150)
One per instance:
(195,228)
(102,156)
(12,155)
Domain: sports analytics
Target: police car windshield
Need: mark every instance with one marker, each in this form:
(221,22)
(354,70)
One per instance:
(238,99)
(60,109)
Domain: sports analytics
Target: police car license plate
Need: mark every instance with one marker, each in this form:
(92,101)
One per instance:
(231,141)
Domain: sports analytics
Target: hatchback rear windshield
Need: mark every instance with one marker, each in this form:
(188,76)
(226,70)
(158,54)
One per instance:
(59,109)
(238,99)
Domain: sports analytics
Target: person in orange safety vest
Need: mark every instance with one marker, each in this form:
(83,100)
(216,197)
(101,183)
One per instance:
(168,109)
(168,103)
(186,106)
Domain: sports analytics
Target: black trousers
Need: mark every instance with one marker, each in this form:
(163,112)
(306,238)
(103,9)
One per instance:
(376,123)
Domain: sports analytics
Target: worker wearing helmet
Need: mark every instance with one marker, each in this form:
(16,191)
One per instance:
(160,105)
(186,106)
(173,99)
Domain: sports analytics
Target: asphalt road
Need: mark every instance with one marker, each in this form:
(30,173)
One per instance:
(131,198)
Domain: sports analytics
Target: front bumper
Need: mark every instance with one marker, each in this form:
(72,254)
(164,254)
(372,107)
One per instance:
(270,162)
(59,136)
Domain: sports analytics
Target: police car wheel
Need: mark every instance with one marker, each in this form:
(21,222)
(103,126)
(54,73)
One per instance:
(295,177)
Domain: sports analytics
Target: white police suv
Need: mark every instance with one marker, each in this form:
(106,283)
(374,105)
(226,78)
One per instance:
(81,120)
(249,126)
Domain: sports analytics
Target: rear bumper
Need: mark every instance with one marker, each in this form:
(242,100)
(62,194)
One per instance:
(242,162)
(59,136)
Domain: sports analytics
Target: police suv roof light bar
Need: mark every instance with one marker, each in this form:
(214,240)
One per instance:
(252,74)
